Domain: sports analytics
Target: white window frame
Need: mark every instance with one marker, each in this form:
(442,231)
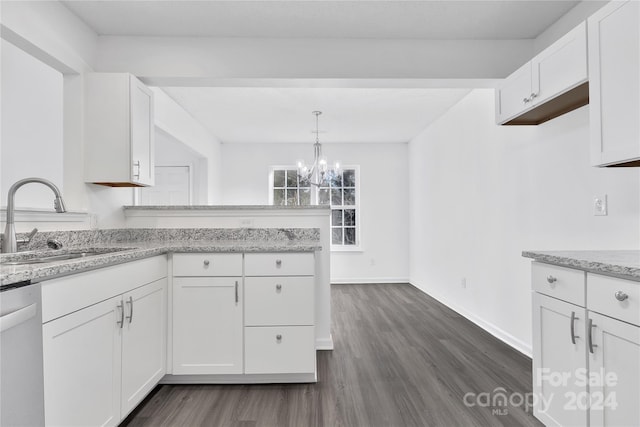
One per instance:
(314,201)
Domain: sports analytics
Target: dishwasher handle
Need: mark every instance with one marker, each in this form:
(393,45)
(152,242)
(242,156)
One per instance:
(17,317)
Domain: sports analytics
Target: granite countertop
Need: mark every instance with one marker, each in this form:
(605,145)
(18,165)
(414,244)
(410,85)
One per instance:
(623,264)
(226,207)
(120,252)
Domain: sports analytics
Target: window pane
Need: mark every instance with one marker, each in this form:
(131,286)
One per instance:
(292,197)
(349,177)
(336,217)
(278,178)
(304,182)
(350,217)
(292,178)
(336,236)
(323,196)
(349,236)
(350,196)
(336,179)
(305,197)
(336,196)
(278,197)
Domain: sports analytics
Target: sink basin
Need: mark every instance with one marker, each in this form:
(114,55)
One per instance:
(61,257)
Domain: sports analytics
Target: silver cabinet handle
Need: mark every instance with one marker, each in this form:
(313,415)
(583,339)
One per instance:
(551,279)
(278,337)
(121,321)
(590,336)
(130,316)
(572,327)
(533,96)
(526,100)
(206,263)
(278,263)
(136,164)
(621,296)
(278,287)
(237,297)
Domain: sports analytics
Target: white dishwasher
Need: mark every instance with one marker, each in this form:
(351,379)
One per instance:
(21,377)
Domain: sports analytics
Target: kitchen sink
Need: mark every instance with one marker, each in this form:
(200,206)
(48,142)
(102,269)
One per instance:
(62,257)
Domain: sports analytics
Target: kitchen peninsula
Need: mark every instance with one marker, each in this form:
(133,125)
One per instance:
(212,305)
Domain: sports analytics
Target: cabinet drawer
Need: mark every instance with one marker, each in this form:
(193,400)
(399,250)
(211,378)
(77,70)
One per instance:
(279,264)
(279,350)
(279,301)
(207,264)
(604,294)
(563,283)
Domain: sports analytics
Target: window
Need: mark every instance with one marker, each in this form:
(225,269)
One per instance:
(340,191)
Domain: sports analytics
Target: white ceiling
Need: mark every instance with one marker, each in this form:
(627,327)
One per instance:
(442,19)
(240,115)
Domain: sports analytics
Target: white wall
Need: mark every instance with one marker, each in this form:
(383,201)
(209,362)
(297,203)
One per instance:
(175,121)
(481,193)
(31,123)
(384,200)
(171,152)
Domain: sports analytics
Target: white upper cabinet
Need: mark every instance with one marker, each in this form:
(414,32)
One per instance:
(553,83)
(119,133)
(614,84)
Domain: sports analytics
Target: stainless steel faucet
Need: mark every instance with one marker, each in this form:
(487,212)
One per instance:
(9,241)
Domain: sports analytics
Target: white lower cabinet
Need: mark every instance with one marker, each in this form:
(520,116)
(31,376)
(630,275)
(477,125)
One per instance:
(586,357)
(102,360)
(251,315)
(614,358)
(207,325)
(556,355)
(207,314)
(82,367)
(279,314)
(143,343)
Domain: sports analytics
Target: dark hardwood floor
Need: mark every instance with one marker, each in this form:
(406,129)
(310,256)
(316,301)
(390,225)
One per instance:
(401,359)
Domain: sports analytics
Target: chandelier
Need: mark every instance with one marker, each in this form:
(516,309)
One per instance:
(319,173)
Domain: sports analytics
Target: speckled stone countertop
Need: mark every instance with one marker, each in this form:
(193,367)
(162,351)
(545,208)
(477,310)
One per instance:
(124,245)
(623,264)
(226,207)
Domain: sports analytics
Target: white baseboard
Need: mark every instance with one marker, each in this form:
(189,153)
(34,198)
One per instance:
(324,343)
(497,332)
(366,280)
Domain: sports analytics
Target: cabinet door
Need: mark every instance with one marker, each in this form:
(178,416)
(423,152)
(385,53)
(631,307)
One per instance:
(513,96)
(207,325)
(143,342)
(614,83)
(560,67)
(82,366)
(557,361)
(142,133)
(614,371)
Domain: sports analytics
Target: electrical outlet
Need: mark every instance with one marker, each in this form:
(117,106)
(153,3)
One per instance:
(463,283)
(600,205)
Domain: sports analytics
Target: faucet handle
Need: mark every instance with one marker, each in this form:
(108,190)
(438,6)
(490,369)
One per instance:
(29,236)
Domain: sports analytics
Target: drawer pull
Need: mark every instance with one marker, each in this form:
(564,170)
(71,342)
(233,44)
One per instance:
(278,337)
(236,292)
(551,279)
(590,336)
(130,316)
(621,296)
(121,321)
(278,287)
(278,263)
(206,263)
(572,327)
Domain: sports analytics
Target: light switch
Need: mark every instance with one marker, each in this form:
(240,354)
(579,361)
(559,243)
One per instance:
(600,205)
